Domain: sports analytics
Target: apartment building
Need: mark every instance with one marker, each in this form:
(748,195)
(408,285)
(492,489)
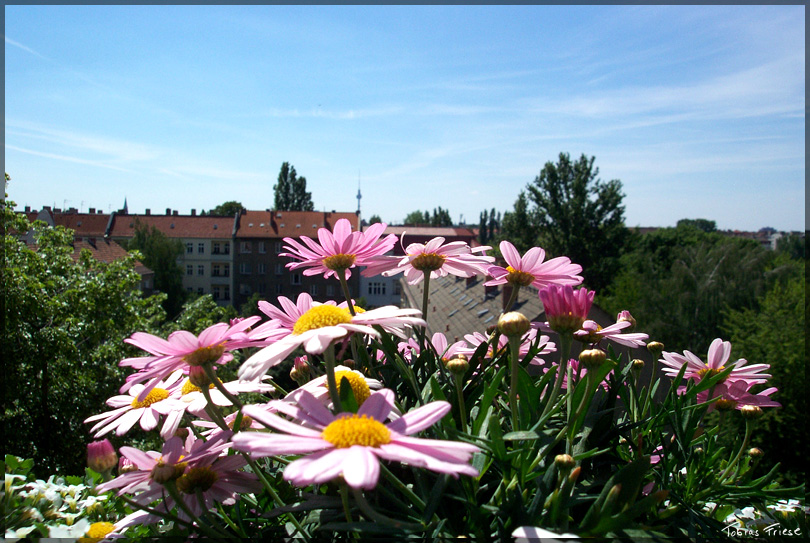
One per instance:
(258,266)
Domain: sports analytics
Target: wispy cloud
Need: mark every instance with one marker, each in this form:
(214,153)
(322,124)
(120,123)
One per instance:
(66,158)
(24,48)
(320,113)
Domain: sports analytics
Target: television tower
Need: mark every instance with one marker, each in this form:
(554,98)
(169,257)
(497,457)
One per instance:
(359,196)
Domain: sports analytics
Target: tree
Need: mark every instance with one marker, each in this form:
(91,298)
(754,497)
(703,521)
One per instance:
(441,217)
(417,218)
(375,219)
(517,226)
(227,209)
(483,237)
(160,254)
(291,191)
(579,216)
(774,333)
(64,325)
(704,225)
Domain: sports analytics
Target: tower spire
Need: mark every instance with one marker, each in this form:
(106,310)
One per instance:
(359,196)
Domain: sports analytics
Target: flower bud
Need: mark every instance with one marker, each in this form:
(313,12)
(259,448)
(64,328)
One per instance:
(592,358)
(101,456)
(125,465)
(182,433)
(564,462)
(198,377)
(656,348)
(725,405)
(638,365)
(301,370)
(751,412)
(163,472)
(755,453)
(457,365)
(513,324)
(349,363)
(626,316)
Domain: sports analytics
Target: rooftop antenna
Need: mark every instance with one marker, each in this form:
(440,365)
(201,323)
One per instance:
(359,196)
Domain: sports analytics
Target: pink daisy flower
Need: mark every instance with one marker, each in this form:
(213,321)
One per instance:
(339,250)
(455,258)
(163,399)
(592,333)
(565,308)
(319,326)
(319,388)
(529,338)
(531,270)
(719,353)
(736,396)
(197,468)
(351,445)
(183,350)
(440,344)
(577,374)
(195,401)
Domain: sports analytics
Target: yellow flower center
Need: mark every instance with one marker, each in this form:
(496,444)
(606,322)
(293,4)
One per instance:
(200,478)
(188,388)
(519,278)
(163,472)
(244,425)
(204,355)
(725,405)
(428,262)
(97,531)
(709,372)
(155,395)
(321,316)
(356,430)
(358,384)
(339,262)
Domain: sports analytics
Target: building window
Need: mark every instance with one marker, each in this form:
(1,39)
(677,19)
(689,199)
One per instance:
(244,289)
(200,270)
(189,248)
(295,279)
(200,290)
(201,248)
(376,288)
(222,292)
(189,289)
(262,288)
(245,247)
(279,288)
(278,247)
(279,268)
(244,268)
(330,290)
(220,270)
(397,288)
(261,268)
(221,248)
(189,269)
(227,246)
(313,289)
(262,247)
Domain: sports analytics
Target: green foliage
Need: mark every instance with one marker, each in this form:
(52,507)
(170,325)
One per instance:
(440,217)
(251,306)
(794,245)
(291,191)
(579,216)
(227,209)
(160,254)
(64,326)
(375,219)
(678,281)
(704,225)
(774,333)
(417,218)
(517,225)
(199,314)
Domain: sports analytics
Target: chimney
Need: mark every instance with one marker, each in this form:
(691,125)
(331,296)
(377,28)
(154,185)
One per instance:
(28,209)
(92,211)
(193,212)
(174,212)
(148,211)
(168,211)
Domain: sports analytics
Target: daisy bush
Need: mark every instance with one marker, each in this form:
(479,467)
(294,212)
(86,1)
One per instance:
(557,428)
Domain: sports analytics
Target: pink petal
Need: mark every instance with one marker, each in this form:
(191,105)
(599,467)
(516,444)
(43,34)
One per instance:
(420,418)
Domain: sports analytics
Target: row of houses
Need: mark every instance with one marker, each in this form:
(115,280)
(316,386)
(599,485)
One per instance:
(232,258)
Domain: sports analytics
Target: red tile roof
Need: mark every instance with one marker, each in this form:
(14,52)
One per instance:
(279,224)
(175,226)
(106,250)
(83,224)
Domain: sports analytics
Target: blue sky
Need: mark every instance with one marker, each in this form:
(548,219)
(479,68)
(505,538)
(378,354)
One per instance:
(698,110)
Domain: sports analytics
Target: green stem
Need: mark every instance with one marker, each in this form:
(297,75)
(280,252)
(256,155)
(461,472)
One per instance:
(334,392)
(156,512)
(178,499)
(749,427)
(514,347)
(402,488)
(346,294)
(273,494)
(344,497)
(209,372)
(565,351)
(373,515)
(512,298)
(647,397)
(213,410)
(569,407)
(459,380)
